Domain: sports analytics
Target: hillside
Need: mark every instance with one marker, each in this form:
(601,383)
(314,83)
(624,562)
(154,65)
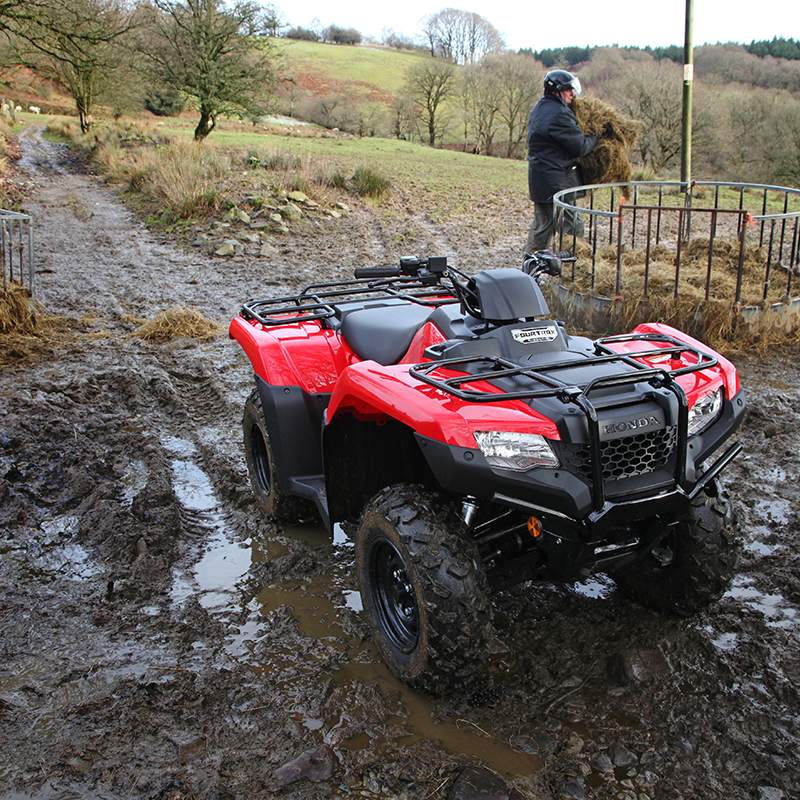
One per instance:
(369,72)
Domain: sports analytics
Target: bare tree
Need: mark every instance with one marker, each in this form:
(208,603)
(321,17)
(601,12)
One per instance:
(403,116)
(725,63)
(519,85)
(75,44)
(274,20)
(481,95)
(766,136)
(206,49)
(19,12)
(787,166)
(337,35)
(461,36)
(652,94)
(430,84)
(324,110)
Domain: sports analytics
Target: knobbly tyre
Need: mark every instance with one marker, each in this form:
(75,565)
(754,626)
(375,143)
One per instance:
(478,445)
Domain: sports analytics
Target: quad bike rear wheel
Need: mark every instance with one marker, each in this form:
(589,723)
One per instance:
(261,466)
(423,589)
(694,564)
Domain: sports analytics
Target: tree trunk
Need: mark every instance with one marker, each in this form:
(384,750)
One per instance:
(206,124)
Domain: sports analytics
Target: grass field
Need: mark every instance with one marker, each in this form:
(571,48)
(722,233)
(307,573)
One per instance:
(377,73)
(238,160)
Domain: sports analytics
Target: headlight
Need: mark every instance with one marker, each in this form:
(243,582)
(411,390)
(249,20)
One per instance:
(517,451)
(704,412)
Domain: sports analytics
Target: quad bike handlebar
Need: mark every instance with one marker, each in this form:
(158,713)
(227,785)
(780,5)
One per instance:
(409,266)
(542,262)
(546,262)
(435,271)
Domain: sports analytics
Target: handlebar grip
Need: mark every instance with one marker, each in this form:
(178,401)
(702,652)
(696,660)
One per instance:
(377,272)
(565,255)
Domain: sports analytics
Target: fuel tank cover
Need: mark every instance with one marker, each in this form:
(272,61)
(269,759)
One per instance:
(509,294)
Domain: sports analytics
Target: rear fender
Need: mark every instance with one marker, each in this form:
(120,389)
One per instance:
(304,354)
(293,419)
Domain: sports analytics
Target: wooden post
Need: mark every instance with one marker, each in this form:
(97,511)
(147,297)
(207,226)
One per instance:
(688,77)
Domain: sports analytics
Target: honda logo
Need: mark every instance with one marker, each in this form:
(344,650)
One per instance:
(630,425)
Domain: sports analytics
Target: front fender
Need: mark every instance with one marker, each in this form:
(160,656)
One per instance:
(371,391)
(697,384)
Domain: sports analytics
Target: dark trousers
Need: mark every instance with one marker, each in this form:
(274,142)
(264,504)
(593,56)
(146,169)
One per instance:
(543,226)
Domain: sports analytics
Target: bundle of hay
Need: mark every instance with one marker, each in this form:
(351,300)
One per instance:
(609,162)
(178,323)
(17,313)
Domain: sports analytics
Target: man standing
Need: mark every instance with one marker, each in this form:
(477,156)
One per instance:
(555,143)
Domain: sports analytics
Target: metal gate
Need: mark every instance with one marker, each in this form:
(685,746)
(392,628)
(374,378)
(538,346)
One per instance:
(16,249)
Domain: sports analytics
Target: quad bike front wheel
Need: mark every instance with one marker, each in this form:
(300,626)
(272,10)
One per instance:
(423,589)
(694,564)
(261,466)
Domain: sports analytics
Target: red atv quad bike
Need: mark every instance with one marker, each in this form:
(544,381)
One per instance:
(479,445)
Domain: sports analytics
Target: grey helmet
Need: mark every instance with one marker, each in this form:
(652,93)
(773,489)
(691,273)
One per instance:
(559,79)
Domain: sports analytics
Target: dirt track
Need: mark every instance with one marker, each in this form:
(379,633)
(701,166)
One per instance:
(160,640)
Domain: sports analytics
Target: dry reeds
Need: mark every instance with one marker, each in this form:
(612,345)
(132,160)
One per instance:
(184,179)
(178,323)
(609,162)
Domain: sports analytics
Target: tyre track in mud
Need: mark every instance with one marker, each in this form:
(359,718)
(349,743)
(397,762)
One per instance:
(150,666)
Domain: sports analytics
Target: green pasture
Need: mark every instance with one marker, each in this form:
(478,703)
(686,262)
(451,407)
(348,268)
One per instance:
(345,67)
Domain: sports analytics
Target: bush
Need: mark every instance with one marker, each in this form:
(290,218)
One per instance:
(303,34)
(369,183)
(164,101)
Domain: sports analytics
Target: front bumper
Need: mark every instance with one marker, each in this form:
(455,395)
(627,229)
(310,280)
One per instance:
(569,505)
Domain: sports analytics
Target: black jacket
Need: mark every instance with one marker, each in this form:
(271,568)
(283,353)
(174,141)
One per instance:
(555,142)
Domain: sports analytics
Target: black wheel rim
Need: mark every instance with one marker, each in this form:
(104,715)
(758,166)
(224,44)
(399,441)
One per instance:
(395,602)
(260,453)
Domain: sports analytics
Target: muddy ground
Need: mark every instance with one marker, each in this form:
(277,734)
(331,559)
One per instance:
(161,640)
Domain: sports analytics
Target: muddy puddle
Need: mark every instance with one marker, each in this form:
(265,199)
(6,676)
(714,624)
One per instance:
(317,604)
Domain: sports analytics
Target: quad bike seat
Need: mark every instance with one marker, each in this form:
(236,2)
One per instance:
(383,334)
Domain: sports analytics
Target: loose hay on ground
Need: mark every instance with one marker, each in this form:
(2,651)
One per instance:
(178,323)
(51,335)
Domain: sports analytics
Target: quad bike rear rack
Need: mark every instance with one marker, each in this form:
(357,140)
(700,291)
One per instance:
(319,301)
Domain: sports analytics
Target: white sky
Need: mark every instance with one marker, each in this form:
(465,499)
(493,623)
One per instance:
(553,23)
